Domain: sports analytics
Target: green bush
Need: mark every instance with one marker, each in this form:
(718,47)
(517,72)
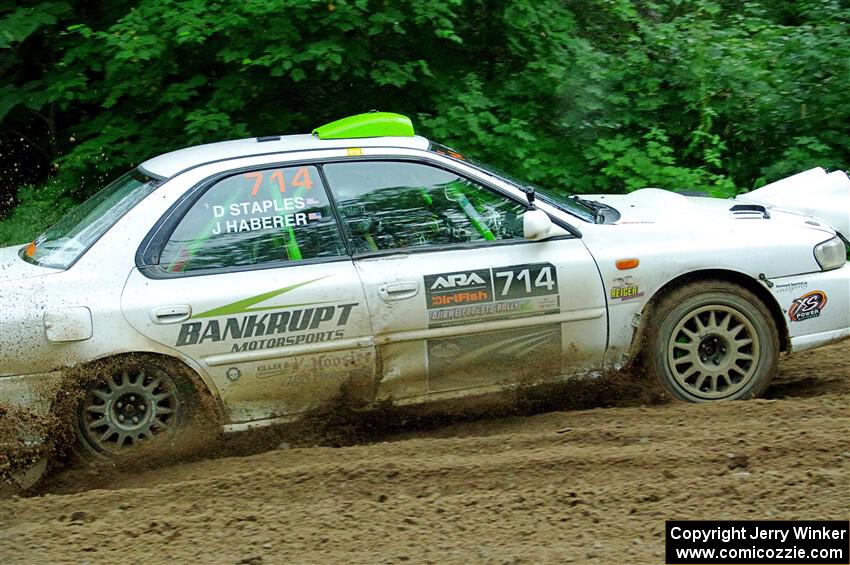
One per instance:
(39,208)
(585,96)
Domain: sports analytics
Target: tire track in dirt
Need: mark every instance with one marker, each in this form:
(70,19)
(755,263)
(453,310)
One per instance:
(566,486)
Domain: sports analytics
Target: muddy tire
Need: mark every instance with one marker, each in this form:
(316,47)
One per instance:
(132,401)
(710,341)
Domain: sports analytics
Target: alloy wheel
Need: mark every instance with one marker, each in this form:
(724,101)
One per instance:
(128,407)
(713,352)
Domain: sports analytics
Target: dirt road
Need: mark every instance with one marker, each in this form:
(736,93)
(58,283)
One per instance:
(580,486)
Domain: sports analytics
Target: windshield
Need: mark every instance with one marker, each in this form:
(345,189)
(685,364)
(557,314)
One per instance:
(60,246)
(562,201)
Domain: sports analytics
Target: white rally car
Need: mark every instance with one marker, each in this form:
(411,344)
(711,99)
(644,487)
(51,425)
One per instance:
(278,275)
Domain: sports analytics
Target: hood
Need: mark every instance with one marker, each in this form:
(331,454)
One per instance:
(12,267)
(663,207)
(815,193)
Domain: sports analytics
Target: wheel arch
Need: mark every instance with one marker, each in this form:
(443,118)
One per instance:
(208,395)
(734,277)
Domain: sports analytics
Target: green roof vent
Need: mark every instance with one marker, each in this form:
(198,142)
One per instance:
(372,124)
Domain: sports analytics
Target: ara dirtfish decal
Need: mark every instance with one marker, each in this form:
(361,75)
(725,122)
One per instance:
(476,295)
(625,288)
(807,306)
(462,287)
(278,326)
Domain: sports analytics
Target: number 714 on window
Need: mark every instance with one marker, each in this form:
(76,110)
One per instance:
(300,179)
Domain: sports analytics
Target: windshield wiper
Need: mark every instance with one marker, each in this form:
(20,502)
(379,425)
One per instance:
(574,207)
(597,208)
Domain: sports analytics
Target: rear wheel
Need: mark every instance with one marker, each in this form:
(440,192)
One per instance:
(712,340)
(133,401)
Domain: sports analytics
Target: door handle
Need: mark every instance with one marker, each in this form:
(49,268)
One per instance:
(399,290)
(171,314)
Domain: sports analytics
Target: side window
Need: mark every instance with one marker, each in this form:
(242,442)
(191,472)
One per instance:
(392,205)
(263,216)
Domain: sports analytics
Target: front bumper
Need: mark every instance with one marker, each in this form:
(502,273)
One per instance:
(25,405)
(34,392)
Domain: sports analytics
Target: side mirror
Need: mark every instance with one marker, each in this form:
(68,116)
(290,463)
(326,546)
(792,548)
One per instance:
(537,225)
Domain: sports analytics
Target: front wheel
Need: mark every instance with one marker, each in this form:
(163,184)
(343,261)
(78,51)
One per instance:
(712,340)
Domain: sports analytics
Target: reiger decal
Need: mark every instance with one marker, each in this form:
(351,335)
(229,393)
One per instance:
(328,319)
(807,306)
(625,288)
(476,295)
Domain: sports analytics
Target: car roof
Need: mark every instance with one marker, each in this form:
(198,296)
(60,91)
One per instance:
(170,164)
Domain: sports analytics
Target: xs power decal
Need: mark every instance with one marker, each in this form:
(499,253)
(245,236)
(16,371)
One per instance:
(249,325)
(478,295)
(807,306)
(483,359)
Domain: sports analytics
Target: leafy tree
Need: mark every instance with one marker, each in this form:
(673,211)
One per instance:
(585,96)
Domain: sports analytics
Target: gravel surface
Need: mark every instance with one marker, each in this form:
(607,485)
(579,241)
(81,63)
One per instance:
(582,486)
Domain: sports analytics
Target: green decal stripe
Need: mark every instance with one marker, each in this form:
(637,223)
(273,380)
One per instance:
(245,304)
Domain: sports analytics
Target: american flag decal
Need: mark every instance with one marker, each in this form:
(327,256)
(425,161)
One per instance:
(314,216)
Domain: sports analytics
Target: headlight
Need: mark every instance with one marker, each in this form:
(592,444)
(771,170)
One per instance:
(830,254)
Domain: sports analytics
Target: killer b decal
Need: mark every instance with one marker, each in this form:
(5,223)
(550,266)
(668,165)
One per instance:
(807,306)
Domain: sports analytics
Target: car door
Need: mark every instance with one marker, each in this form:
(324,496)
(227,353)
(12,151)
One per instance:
(458,298)
(249,277)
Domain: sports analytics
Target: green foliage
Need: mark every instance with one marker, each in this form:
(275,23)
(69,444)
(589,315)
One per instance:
(585,96)
(40,208)
(651,161)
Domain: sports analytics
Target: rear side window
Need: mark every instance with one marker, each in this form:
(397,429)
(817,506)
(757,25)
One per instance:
(395,205)
(254,218)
